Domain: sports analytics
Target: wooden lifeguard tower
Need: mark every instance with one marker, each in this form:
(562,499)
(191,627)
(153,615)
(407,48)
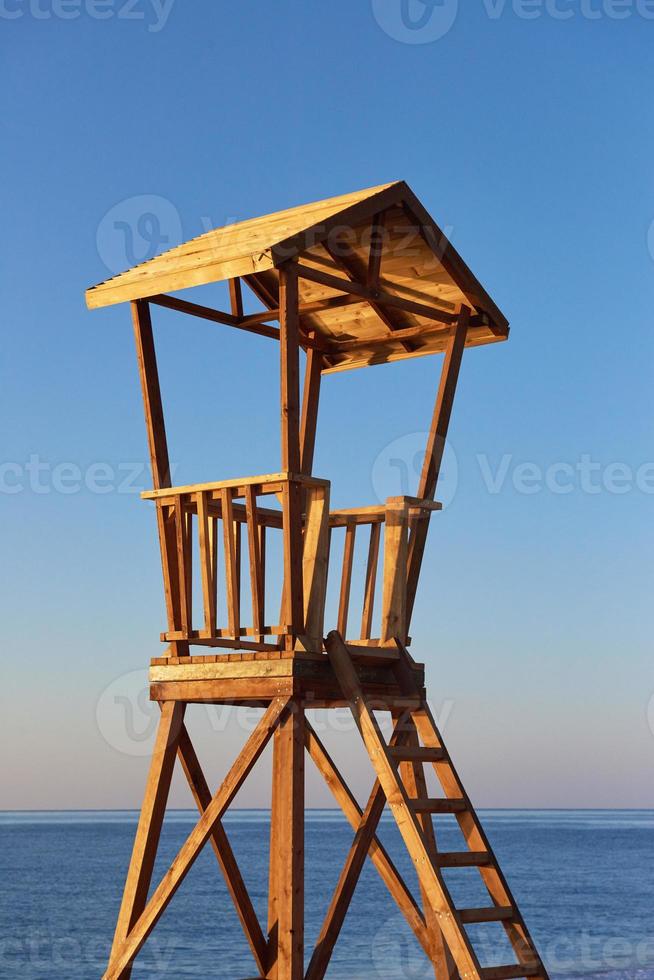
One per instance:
(352,281)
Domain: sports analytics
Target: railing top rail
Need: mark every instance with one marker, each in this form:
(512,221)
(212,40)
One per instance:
(263,480)
(376,514)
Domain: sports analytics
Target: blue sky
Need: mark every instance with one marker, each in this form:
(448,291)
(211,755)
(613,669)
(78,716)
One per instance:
(528,135)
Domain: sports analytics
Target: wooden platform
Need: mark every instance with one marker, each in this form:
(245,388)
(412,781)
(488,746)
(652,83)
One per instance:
(258,678)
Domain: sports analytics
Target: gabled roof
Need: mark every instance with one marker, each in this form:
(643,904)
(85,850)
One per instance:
(333,236)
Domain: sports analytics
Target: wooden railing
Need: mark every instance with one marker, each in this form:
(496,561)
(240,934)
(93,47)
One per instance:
(206,529)
(209,518)
(398,516)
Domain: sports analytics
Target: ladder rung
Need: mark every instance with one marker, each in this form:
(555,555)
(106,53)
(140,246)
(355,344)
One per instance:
(414,753)
(462,859)
(496,914)
(437,806)
(511,972)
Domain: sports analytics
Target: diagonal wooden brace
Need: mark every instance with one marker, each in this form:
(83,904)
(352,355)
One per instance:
(224,854)
(378,854)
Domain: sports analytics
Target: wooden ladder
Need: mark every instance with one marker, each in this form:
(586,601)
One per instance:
(401,776)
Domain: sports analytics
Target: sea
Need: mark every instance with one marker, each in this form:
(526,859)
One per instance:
(584,880)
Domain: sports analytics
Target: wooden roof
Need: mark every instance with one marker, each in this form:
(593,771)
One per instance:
(419,266)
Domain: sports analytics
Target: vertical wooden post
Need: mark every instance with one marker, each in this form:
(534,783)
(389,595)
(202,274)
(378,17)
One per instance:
(286,896)
(310,402)
(434,452)
(290,367)
(315,565)
(290,443)
(159,461)
(394,620)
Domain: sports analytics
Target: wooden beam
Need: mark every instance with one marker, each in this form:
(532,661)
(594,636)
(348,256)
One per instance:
(152,404)
(434,454)
(452,262)
(310,403)
(376,250)
(376,296)
(236,298)
(159,461)
(150,822)
(125,953)
(216,316)
(290,382)
(348,260)
(286,941)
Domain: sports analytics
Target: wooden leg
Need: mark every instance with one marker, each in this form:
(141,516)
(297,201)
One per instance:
(286,899)
(148,832)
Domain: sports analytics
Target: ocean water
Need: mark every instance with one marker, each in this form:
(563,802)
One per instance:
(584,881)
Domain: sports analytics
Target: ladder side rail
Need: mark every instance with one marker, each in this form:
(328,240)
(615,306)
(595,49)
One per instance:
(408,825)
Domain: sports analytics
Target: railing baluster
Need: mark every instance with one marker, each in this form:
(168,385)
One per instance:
(207,562)
(346,578)
(255,561)
(231,571)
(181,537)
(371,581)
(262,563)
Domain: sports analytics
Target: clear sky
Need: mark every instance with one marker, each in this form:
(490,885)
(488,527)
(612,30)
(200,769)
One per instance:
(526,129)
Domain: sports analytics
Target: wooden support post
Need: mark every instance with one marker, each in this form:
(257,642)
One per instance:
(434,453)
(150,822)
(290,441)
(315,565)
(310,401)
(394,617)
(286,897)
(160,464)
